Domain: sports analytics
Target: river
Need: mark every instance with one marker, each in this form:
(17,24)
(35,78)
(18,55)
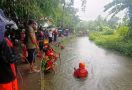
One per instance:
(108,70)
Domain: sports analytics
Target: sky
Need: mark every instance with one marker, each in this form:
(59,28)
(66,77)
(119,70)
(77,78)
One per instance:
(93,9)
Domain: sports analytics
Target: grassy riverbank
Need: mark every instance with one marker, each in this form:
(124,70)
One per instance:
(113,39)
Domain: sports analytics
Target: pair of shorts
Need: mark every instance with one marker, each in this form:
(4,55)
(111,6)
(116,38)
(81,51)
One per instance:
(31,55)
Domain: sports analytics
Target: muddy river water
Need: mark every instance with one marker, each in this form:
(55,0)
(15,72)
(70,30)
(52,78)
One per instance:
(108,70)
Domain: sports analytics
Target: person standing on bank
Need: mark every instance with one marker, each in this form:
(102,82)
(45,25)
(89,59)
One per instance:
(8,56)
(31,43)
(55,33)
(50,36)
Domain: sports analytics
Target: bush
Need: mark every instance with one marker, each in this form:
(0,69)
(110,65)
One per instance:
(113,40)
(108,32)
(122,31)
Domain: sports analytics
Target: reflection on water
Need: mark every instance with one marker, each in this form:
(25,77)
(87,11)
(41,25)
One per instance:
(107,70)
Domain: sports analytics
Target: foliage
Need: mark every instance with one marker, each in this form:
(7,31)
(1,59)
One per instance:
(107,32)
(114,41)
(118,5)
(122,31)
(37,9)
(100,24)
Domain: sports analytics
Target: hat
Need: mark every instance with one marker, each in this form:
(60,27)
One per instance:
(81,65)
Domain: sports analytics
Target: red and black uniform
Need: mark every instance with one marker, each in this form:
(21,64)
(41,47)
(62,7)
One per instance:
(8,80)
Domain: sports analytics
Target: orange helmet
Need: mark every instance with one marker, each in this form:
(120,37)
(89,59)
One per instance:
(81,65)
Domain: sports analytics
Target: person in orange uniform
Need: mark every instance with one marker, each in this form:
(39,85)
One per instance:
(8,80)
(81,72)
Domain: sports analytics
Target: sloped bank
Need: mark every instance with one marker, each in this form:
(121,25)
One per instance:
(114,41)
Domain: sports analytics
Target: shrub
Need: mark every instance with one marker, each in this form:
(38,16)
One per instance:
(122,31)
(113,40)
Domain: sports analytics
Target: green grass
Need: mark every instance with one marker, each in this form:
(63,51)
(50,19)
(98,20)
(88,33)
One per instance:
(114,41)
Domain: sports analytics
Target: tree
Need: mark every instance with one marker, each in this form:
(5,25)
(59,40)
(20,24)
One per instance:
(113,22)
(36,9)
(29,8)
(118,5)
